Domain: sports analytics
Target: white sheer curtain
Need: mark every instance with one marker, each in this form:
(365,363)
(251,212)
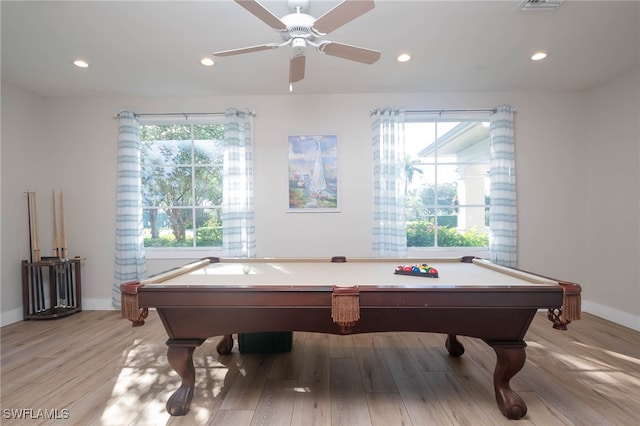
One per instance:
(389,183)
(129,251)
(503,216)
(238,227)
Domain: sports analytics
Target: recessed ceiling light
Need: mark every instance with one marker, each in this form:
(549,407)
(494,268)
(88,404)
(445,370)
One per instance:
(207,62)
(80,63)
(540,4)
(538,56)
(403,57)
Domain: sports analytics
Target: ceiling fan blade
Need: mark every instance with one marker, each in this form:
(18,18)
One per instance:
(263,14)
(352,53)
(296,68)
(344,12)
(247,49)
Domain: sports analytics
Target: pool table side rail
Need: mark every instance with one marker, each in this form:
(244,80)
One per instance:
(180,270)
(561,298)
(571,307)
(129,303)
(409,296)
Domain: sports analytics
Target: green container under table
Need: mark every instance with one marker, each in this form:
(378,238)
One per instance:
(275,341)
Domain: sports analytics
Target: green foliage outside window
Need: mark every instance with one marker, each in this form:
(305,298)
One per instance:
(181,169)
(422,234)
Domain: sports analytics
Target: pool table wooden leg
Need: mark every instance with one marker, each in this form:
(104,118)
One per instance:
(454,346)
(180,356)
(511,357)
(225,345)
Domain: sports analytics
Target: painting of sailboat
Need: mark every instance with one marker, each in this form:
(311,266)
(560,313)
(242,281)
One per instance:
(313,173)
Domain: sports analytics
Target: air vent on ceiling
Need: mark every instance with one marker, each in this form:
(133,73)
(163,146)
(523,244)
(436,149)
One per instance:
(540,4)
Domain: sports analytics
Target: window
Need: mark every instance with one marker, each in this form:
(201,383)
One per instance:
(447,172)
(182,169)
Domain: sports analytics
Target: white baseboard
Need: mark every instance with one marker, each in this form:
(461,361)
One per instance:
(97,305)
(15,315)
(619,317)
(10,317)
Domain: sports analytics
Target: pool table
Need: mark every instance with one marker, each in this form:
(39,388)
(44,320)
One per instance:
(470,297)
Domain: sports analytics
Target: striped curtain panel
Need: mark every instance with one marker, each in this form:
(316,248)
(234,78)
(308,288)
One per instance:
(503,214)
(389,183)
(129,255)
(238,228)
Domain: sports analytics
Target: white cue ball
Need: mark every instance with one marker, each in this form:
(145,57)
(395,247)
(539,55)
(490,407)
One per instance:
(246,269)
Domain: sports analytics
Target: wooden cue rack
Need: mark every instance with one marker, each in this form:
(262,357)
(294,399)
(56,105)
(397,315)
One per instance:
(51,287)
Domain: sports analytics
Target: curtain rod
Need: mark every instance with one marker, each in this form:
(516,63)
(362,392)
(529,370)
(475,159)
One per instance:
(442,111)
(183,114)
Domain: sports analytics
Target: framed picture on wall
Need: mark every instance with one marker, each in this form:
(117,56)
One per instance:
(313,173)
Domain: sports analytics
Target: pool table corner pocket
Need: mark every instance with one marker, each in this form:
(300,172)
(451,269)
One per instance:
(129,306)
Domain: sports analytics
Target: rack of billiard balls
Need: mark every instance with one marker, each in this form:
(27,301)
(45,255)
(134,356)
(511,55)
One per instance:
(422,270)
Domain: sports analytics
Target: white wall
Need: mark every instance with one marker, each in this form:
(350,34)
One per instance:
(24,167)
(612,203)
(79,137)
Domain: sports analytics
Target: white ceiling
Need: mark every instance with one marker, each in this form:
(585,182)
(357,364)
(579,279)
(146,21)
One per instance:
(153,48)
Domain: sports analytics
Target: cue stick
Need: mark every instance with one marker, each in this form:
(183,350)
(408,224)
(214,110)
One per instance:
(30,270)
(30,226)
(63,235)
(60,271)
(38,284)
(55,225)
(61,274)
(63,249)
(40,281)
(34,282)
(72,287)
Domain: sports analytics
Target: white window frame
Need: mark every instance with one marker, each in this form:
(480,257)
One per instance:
(152,253)
(444,116)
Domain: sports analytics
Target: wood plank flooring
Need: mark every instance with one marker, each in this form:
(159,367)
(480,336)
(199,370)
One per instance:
(92,368)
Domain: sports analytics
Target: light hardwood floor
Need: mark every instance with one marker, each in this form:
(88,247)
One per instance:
(93,368)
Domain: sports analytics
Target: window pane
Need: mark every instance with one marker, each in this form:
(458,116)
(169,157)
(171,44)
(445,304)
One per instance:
(208,186)
(181,226)
(167,227)
(153,221)
(167,144)
(417,137)
(447,187)
(167,186)
(420,233)
(447,167)
(472,224)
(166,152)
(208,144)
(182,176)
(165,132)
(208,132)
(209,227)
(473,183)
(472,217)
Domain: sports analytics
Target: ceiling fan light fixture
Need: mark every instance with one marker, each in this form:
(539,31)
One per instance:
(207,62)
(299,44)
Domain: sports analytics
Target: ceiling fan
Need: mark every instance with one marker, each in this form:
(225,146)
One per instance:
(299,30)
